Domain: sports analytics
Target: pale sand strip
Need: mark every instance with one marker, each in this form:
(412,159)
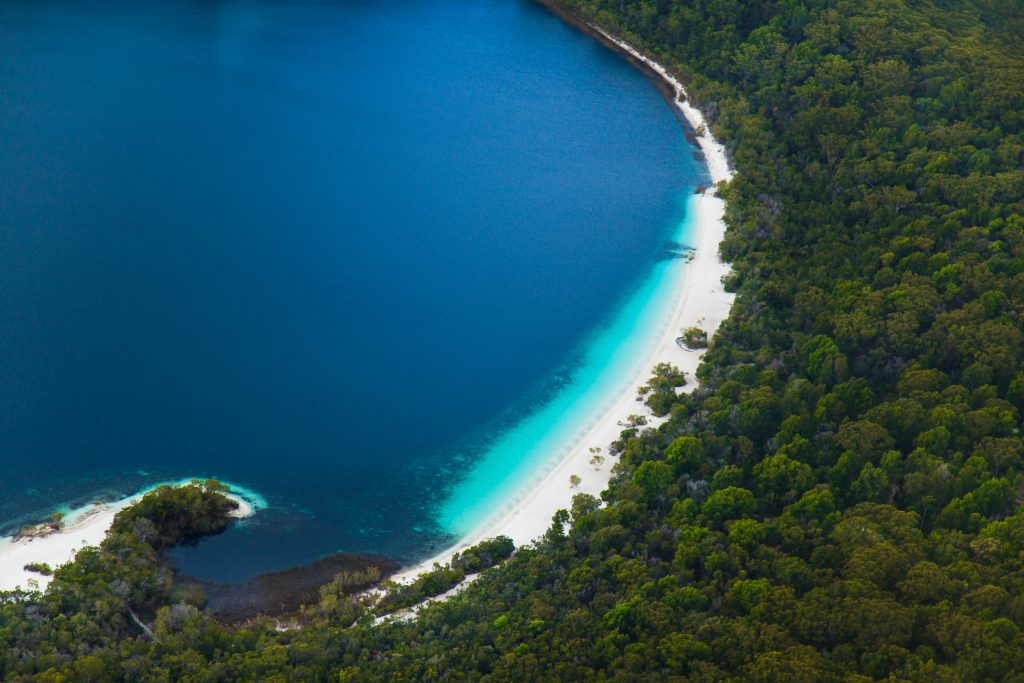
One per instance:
(84,527)
(702,301)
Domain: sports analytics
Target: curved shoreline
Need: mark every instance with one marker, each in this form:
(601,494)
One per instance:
(82,527)
(698,299)
(701,300)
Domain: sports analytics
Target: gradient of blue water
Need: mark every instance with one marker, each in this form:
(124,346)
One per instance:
(326,250)
(519,456)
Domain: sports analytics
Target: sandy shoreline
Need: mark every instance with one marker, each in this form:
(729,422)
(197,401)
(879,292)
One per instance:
(83,527)
(701,300)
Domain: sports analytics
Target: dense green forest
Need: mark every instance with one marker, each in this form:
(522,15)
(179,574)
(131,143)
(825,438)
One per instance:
(840,500)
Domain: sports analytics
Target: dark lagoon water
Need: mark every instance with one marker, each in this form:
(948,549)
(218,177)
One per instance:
(327,251)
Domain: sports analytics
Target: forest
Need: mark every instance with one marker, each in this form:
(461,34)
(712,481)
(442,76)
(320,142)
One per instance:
(839,500)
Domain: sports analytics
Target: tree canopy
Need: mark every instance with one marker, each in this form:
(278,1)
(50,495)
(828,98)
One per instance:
(840,499)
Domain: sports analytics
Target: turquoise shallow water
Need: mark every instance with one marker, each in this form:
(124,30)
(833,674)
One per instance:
(607,365)
(356,257)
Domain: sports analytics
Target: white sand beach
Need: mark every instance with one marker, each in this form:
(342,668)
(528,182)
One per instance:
(83,527)
(702,301)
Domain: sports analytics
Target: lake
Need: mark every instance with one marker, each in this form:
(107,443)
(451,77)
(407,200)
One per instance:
(329,251)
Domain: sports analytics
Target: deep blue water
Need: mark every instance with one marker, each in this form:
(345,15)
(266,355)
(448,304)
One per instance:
(325,250)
